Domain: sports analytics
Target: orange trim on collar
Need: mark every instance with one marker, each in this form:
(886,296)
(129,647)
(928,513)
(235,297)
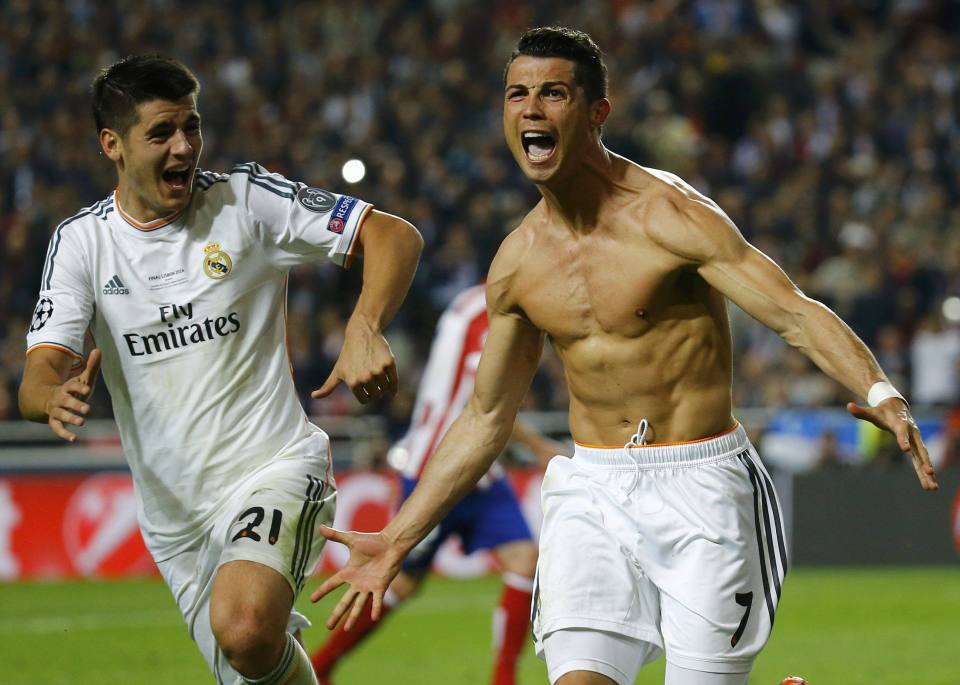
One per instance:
(148,226)
(662,444)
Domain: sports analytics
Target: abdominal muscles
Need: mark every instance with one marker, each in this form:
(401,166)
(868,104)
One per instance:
(676,375)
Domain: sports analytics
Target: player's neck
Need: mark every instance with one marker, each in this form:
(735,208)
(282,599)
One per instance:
(132,205)
(577,199)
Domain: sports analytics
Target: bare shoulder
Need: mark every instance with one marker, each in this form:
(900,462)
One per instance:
(681,219)
(513,253)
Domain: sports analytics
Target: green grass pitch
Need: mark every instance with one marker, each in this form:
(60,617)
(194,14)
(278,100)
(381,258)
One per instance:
(834,626)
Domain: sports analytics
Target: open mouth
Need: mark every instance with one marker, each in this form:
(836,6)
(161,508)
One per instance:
(537,145)
(177,179)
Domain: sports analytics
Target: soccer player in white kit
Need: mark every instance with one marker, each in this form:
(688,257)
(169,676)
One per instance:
(180,277)
(663,532)
(488,518)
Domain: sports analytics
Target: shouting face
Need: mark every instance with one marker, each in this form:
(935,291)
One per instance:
(157,157)
(547,120)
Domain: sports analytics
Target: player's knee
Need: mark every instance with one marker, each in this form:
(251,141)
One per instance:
(247,639)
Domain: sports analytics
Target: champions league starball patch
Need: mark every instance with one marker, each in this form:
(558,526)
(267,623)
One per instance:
(41,314)
(316,200)
(216,263)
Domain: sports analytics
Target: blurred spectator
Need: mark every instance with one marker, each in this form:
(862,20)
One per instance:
(935,357)
(951,440)
(831,456)
(828,131)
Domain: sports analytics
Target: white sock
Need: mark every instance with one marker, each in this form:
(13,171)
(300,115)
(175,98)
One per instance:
(294,667)
(677,675)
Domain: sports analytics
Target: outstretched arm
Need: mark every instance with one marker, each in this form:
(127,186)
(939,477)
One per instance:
(391,250)
(48,394)
(694,228)
(469,447)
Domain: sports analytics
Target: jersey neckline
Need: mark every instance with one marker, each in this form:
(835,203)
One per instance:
(149,227)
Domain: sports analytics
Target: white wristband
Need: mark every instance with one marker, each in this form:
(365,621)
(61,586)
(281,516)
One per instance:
(882,391)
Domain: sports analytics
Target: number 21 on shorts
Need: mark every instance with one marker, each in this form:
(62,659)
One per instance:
(254,517)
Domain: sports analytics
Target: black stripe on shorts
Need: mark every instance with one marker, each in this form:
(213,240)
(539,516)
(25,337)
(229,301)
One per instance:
(756,517)
(304,535)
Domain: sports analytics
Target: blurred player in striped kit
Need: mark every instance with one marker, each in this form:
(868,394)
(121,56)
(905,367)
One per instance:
(488,518)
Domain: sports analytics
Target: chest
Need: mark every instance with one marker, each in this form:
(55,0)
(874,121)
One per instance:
(604,283)
(181,278)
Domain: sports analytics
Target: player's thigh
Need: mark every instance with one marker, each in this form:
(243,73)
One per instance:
(247,595)
(719,597)
(277,523)
(677,675)
(585,678)
(586,575)
(594,657)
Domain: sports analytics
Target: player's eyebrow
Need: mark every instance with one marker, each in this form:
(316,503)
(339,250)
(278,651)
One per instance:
(165,124)
(542,86)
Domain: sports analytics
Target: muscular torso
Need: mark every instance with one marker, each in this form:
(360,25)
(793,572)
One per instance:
(640,333)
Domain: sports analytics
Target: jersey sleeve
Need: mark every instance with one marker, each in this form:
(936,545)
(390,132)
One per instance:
(298,223)
(66,304)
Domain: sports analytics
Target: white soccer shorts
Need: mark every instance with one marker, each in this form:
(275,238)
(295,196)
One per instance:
(273,520)
(680,546)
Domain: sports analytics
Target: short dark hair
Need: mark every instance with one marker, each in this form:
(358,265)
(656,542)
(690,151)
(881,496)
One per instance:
(119,88)
(576,46)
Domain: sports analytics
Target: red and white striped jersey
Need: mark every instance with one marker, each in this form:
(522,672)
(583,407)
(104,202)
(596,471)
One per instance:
(447,381)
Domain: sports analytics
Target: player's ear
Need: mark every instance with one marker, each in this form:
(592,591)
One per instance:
(111,143)
(599,111)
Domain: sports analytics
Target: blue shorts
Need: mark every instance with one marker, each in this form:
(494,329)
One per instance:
(484,519)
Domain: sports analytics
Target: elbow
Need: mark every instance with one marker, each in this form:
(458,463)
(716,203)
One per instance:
(496,423)
(799,320)
(413,238)
(404,235)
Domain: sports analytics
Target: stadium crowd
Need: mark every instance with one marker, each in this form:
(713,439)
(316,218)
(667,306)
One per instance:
(829,132)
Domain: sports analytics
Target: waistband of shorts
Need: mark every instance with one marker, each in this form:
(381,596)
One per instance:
(727,444)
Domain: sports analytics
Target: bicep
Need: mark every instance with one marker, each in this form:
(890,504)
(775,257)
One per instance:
(703,236)
(382,227)
(754,282)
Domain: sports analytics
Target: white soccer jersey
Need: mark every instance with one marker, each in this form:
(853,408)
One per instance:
(448,379)
(189,313)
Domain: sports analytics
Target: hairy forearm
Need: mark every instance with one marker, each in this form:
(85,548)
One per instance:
(833,346)
(471,445)
(390,257)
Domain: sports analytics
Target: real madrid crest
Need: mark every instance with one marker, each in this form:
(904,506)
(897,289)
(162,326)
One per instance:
(216,263)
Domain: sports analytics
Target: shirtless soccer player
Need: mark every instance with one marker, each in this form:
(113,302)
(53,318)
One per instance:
(665,536)
(180,277)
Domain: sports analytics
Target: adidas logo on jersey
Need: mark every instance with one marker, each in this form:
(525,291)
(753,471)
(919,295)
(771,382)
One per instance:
(115,287)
